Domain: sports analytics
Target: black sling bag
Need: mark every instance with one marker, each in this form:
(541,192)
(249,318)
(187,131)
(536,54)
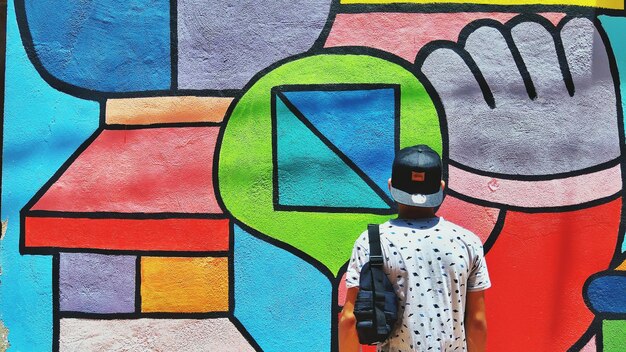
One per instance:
(376,306)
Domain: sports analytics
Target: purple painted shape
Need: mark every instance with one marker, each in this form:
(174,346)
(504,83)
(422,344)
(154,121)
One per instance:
(223,44)
(97,283)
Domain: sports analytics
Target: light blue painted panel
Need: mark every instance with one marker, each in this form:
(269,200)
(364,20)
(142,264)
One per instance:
(283,302)
(42,127)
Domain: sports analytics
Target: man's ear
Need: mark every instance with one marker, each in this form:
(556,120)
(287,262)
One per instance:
(443,184)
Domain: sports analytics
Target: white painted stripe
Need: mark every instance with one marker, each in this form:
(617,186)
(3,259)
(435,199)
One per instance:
(182,335)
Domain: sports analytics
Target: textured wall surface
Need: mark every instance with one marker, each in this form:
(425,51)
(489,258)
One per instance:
(191,175)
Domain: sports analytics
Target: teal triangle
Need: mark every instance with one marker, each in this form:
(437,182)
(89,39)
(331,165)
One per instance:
(312,175)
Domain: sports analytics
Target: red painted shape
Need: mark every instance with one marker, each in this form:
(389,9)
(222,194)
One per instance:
(404,34)
(150,172)
(476,218)
(128,234)
(538,266)
(140,171)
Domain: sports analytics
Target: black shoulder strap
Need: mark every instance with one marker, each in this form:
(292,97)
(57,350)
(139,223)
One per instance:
(376,265)
(376,255)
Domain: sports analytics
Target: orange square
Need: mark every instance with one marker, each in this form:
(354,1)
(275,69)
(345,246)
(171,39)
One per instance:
(184,284)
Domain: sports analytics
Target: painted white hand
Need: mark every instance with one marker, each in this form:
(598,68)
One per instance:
(526,98)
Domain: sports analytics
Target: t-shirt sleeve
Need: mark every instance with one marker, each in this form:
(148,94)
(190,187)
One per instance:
(360,256)
(479,275)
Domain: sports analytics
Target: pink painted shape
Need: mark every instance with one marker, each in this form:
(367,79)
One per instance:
(140,171)
(478,219)
(537,194)
(343,291)
(404,34)
(590,346)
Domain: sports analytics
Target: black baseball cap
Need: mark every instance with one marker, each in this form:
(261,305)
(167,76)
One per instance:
(416,177)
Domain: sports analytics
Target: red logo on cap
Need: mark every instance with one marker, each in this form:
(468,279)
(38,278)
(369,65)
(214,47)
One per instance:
(418,176)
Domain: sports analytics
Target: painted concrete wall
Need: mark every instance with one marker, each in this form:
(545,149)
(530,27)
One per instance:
(190,175)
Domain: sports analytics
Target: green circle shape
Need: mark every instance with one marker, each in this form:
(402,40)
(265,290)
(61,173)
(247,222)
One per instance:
(245,161)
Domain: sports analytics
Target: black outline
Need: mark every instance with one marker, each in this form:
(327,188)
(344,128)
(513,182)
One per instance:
(173,44)
(122,216)
(102,117)
(3,47)
(141,253)
(230,256)
(278,92)
(149,315)
(495,232)
(600,338)
(138,299)
(161,125)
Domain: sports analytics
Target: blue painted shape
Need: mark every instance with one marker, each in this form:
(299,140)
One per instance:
(42,127)
(607,294)
(105,45)
(310,174)
(282,301)
(615,27)
(360,123)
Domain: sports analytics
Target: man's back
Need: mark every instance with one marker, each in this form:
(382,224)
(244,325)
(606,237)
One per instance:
(432,263)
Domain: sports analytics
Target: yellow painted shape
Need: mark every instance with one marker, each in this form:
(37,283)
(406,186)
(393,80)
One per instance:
(184,285)
(622,266)
(607,4)
(143,111)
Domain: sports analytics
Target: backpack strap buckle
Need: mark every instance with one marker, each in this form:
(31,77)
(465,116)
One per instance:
(376,260)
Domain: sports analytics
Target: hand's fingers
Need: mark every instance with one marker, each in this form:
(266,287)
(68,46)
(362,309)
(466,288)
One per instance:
(538,51)
(491,52)
(454,81)
(586,55)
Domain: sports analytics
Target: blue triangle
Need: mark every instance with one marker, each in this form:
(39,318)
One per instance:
(310,174)
(360,123)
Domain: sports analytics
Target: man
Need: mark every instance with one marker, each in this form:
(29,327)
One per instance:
(437,268)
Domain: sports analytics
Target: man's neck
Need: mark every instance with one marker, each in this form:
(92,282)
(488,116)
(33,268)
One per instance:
(408,212)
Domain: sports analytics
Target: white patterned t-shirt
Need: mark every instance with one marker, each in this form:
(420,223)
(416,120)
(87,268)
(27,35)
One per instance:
(431,263)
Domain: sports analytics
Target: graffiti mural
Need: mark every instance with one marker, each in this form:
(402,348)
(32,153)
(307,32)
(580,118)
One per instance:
(191,175)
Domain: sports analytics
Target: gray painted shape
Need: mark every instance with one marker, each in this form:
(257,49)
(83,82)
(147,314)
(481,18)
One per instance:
(554,133)
(97,283)
(223,44)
